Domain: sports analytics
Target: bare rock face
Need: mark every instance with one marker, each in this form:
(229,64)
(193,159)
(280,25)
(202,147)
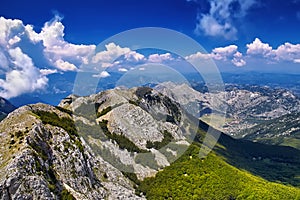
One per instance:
(135,123)
(100,146)
(43,159)
(94,147)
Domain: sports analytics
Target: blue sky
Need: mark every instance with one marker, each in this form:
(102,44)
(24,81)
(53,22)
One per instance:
(40,38)
(91,21)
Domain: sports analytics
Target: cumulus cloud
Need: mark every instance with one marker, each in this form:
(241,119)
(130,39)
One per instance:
(285,52)
(221,54)
(133,56)
(102,74)
(219,20)
(115,55)
(14,40)
(51,37)
(60,53)
(158,58)
(9,28)
(23,78)
(288,52)
(199,56)
(65,65)
(257,47)
(238,59)
(113,51)
(21,74)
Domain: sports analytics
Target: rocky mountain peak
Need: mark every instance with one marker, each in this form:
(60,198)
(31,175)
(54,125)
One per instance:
(92,147)
(43,156)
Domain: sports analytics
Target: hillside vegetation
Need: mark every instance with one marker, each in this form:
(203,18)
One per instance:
(211,178)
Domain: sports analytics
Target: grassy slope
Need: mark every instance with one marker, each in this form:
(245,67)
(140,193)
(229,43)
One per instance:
(211,178)
(235,169)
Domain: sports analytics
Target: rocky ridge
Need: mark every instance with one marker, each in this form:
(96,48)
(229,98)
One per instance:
(40,160)
(101,146)
(94,147)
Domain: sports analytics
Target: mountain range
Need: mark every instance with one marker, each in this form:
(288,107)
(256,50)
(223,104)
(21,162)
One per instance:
(134,144)
(5,108)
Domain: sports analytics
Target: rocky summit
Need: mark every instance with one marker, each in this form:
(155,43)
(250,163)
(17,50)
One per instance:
(134,144)
(92,147)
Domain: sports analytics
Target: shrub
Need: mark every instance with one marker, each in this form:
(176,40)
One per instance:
(121,140)
(53,119)
(157,145)
(66,195)
(104,111)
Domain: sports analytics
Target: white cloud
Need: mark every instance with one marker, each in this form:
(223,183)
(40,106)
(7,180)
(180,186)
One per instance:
(58,50)
(21,73)
(107,57)
(222,53)
(296,60)
(122,70)
(51,37)
(288,52)
(133,56)
(32,35)
(257,47)
(285,52)
(158,58)
(103,74)
(64,65)
(48,71)
(8,29)
(198,56)
(23,78)
(14,40)
(218,22)
(238,59)
(111,53)
(211,27)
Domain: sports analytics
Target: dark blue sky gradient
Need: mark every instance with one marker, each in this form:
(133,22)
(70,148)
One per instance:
(92,21)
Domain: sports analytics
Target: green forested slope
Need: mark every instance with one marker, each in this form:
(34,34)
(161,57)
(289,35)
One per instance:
(211,178)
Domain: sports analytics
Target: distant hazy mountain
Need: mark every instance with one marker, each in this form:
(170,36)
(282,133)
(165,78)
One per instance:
(5,108)
(133,144)
(25,99)
(244,106)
